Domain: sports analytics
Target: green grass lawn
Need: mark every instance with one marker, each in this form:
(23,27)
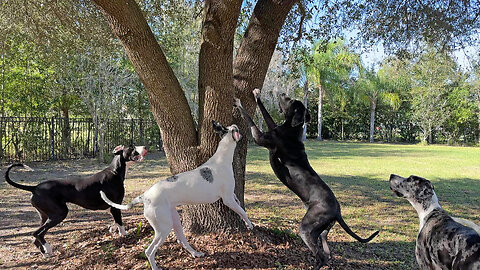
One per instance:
(358,175)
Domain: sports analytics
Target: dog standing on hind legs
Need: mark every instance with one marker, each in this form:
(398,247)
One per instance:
(290,164)
(206,184)
(50,197)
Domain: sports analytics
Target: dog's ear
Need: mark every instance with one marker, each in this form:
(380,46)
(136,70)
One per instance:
(425,189)
(427,184)
(218,128)
(298,117)
(118,150)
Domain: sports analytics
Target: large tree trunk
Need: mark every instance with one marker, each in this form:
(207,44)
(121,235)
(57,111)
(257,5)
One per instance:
(373,106)
(319,114)
(342,132)
(186,148)
(215,92)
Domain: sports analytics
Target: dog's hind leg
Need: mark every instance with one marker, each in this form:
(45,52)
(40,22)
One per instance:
(56,215)
(42,215)
(43,219)
(178,229)
(323,237)
(117,216)
(161,221)
(230,202)
(313,224)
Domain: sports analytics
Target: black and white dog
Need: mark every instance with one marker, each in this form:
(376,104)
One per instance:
(50,197)
(442,243)
(290,164)
(206,184)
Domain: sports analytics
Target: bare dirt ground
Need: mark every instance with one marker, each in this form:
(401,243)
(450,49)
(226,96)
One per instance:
(82,240)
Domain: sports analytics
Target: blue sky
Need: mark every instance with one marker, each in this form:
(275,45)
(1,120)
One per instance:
(376,54)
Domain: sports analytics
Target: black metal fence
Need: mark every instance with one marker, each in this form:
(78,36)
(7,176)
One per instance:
(39,139)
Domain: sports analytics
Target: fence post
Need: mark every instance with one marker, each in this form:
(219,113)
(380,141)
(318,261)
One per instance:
(52,132)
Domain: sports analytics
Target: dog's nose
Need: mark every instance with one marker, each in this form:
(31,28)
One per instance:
(283,95)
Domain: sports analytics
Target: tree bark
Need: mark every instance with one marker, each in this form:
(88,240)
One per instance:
(319,114)
(342,129)
(2,103)
(478,116)
(215,92)
(373,106)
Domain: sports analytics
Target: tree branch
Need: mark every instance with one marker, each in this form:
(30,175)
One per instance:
(302,19)
(167,99)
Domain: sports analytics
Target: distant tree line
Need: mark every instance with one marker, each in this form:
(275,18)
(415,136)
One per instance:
(425,97)
(422,97)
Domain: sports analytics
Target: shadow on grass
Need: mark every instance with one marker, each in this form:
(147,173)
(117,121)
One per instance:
(463,194)
(384,255)
(347,150)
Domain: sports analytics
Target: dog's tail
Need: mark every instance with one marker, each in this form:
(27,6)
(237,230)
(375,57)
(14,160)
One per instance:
(137,200)
(20,186)
(354,235)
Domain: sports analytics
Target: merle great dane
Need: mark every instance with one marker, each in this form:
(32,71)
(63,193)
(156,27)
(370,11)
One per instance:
(442,242)
(50,197)
(290,164)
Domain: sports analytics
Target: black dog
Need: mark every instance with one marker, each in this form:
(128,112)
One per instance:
(290,164)
(50,197)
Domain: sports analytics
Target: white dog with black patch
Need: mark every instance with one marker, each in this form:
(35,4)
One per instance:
(206,184)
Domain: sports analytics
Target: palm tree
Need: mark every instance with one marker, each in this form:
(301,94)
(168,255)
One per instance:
(329,67)
(374,87)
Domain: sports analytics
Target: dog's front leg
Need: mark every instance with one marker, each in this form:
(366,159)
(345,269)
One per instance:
(117,216)
(268,119)
(232,204)
(178,229)
(259,138)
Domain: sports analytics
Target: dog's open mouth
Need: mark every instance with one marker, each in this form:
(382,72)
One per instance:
(236,136)
(142,152)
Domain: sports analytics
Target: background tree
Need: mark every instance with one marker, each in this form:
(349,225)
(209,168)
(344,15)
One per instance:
(373,87)
(475,90)
(329,67)
(433,78)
